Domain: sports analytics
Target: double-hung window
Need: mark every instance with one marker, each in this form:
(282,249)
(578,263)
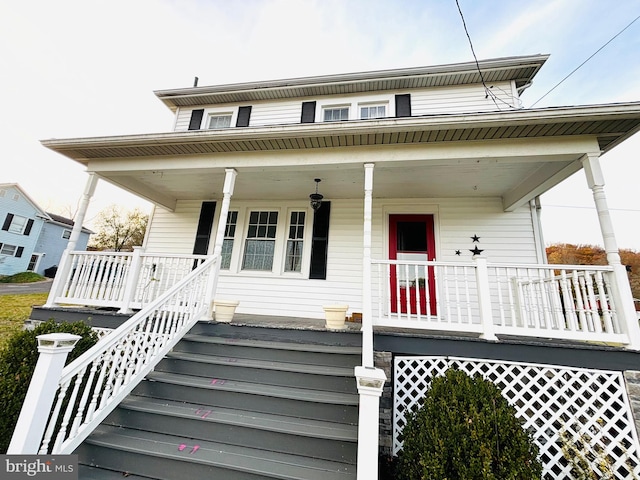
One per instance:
(261,241)
(219,121)
(9,250)
(227,242)
(66,234)
(336,114)
(17,225)
(293,257)
(372,111)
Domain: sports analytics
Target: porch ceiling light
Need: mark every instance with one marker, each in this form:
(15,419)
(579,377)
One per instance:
(316,198)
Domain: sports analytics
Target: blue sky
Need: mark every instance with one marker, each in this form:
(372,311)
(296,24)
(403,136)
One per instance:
(75,68)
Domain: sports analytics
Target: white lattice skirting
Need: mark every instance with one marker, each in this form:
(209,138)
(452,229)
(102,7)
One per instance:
(579,403)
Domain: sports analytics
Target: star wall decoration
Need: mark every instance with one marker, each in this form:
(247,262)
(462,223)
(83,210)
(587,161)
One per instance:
(458,252)
(476,250)
(475,239)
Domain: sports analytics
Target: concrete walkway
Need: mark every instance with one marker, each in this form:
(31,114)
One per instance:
(20,288)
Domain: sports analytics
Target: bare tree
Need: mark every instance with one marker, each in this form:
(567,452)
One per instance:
(119,229)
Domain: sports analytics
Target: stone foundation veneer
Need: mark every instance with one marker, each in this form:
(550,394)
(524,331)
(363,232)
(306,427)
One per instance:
(632,380)
(384,361)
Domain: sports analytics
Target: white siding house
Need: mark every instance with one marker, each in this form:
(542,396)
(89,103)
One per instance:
(409,195)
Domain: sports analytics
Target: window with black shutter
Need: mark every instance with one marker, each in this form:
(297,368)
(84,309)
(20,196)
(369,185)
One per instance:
(308,112)
(244,114)
(203,233)
(403,105)
(196,119)
(320,242)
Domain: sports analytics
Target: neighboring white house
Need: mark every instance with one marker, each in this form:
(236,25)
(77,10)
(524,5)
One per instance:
(31,239)
(410,195)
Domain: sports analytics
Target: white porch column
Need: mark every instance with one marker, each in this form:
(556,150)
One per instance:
(622,289)
(133,275)
(370,380)
(367,310)
(65,264)
(53,349)
(227,193)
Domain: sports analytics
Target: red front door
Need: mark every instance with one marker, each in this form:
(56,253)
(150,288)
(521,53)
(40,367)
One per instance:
(411,239)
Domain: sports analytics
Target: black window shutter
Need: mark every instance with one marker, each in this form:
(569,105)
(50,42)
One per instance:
(308,112)
(320,242)
(19,251)
(203,234)
(403,105)
(244,114)
(7,221)
(29,226)
(196,119)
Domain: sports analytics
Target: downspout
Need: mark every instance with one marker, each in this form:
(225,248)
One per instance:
(535,208)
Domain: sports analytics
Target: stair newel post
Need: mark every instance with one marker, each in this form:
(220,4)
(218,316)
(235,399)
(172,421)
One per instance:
(484,299)
(227,193)
(133,275)
(53,349)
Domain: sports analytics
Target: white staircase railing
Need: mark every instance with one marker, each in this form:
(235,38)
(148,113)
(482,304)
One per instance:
(95,383)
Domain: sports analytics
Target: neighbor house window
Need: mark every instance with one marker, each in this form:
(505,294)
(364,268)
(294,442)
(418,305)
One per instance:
(227,243)
(336,114)
(9,250)
(261,241)
(293,258)
(219,121)
(17,224)
(373,111)
(66,234)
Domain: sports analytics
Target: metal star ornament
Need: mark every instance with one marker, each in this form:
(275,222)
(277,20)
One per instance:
(476,250)
(475,239)
(458,252)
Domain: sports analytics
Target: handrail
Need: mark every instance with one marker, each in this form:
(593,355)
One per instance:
(94,384)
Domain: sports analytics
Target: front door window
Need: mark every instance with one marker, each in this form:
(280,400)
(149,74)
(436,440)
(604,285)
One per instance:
(412,242)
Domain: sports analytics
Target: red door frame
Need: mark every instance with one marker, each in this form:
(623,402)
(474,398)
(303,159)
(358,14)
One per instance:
(428,220)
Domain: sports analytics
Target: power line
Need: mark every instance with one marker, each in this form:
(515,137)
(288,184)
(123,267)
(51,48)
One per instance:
(487,90)
(592,55)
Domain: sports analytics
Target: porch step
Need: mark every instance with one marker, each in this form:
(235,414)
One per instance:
(258,402)
(167,457)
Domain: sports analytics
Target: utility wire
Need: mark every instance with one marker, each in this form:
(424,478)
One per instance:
(592,55)
(487,90)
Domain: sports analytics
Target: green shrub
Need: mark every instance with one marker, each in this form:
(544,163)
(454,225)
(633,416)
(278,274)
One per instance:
(466,430)
(17,362)
(23,277)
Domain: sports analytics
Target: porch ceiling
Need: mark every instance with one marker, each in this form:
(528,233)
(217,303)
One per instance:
(513,154)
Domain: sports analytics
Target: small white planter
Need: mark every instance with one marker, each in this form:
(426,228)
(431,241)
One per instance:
(335,316)
(224,310)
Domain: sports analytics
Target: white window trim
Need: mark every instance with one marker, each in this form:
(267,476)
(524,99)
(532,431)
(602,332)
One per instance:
(354,103)
(24,227)
(221,111)
(15,249)
(244,210)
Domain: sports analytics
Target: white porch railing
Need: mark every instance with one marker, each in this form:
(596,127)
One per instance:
(124,280)
(547,301)
(93,385)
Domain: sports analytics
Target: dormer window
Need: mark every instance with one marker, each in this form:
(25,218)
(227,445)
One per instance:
(219,121)
(372,111)
(335,114)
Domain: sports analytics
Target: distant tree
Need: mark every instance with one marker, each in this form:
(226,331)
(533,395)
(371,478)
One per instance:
(118,229)
(568,254)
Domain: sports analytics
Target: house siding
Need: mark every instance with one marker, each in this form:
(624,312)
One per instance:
(24,208)
(504,237)
(53,245)
(428,101)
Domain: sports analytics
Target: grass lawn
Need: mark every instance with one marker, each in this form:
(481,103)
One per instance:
(14,310)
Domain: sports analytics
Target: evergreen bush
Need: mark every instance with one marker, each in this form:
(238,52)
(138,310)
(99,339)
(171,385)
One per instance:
(17,363)
(466,430)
